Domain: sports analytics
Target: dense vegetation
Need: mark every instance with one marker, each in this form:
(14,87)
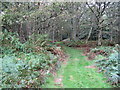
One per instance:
(110,66)
(34,38)
(27,64)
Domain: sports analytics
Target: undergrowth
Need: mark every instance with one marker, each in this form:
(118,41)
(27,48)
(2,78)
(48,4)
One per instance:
(27,64)
(109,65)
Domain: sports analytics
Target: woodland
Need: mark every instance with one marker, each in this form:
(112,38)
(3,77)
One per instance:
(59,44)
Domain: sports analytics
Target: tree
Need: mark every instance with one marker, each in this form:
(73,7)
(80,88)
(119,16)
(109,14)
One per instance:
(98,10)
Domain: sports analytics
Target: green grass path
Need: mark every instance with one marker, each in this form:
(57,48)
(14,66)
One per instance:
(75,75)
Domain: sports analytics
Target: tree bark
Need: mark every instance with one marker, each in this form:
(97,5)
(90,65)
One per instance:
(74,32)
(100,37)
(111,36)
(119,23)
(53,36)
(90,32)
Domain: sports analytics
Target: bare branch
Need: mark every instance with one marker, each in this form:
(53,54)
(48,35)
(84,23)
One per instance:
(92,11)
(105,5)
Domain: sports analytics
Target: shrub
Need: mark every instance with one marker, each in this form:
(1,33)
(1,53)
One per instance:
(26,72)
(10,43)
(106,51)
(110,67)
(26,64)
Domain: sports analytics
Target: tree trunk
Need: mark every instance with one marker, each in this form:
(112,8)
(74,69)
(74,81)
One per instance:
(111,36)
(74,38)
(119,37)
(20,33)
(90,32)
(119,23)
(74,35)
(100,37)
(61,38)
(53,36)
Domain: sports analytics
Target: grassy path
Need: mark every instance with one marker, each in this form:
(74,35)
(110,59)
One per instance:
(75,75)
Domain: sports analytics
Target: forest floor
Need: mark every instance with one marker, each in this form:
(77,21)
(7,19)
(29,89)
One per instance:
(77,72)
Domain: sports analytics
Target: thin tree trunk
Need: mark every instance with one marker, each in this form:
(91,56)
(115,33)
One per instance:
(100,37)
(61,37)
(90,32)
(74,30)
(111,37)
(74,35)
(20,32)
(53,36)
(34,29)
(118,37)
(118,23)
